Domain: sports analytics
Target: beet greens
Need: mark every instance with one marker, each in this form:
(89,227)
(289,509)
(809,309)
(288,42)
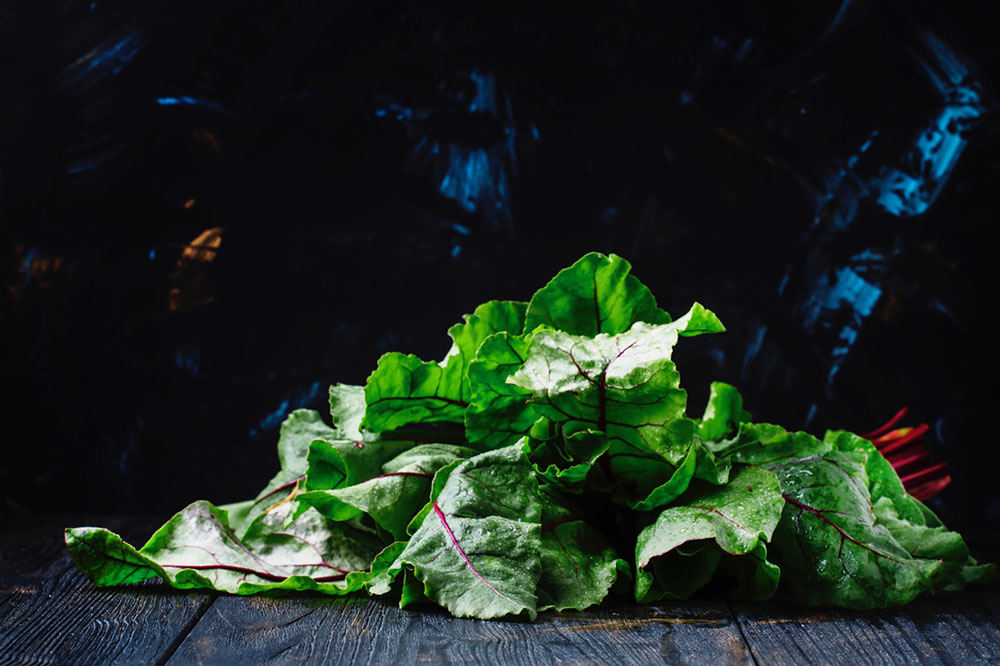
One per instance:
(486,482)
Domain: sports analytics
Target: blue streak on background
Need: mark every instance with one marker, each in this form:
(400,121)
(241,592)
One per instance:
(849,295)
(909,192)
(854,289)
(186,100)
(186,362)
(476,178)
(107,60)
(25,268)
(300,397)
(81,167)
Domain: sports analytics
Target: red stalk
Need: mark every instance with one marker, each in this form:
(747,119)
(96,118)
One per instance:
(902,460)
(911,479)
(888,425)
(902,448)
(892,442)
(925,491)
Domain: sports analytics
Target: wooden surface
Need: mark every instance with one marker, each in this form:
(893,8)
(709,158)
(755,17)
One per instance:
(49,613)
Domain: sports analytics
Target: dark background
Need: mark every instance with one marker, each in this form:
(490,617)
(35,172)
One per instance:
(213,210)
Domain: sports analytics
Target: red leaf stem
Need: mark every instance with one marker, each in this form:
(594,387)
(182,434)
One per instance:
(893,441)
(888,425)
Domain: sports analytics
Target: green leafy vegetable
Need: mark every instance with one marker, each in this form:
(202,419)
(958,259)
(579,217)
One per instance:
(393,497)
(739,517)
(197,548)
(477,548)
(594,295)
(404,390)
(494,482)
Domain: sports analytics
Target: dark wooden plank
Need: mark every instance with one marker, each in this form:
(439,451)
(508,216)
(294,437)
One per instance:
(50,613)
(962,628)
(33,543)
(375,631)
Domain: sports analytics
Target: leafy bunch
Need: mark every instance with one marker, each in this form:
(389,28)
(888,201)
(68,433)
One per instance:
(519,473)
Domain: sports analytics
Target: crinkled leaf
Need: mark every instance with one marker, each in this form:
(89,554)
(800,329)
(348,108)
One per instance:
(911,523)
(499,413)
(672,488)
(412,592)
(738,516)
(298,431)
(561,459)
(338,463)
(831,548)
(198,549)
(883,482)
(754,578)
(579,566)
(723,414)
(934,542)
(624,385)
(679,573)
(477,548)
(836,549)
(766,444)
(404,389)
(642,473)
(393,497)
(347,407)
(919,540)
(594,295)
(106,559)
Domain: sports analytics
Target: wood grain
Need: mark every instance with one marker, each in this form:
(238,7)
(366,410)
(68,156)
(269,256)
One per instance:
(376,631)
(961,629)
(50,613)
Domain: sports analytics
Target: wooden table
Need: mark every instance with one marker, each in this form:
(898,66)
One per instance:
(50,613)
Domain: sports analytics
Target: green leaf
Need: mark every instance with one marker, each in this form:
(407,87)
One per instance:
(338,463)
(579,567)
(936,542)
(561,459)
(412,592)
(766,444)
(723,414)
(919,540)
(347,407)
(393,497)
(883,482)
(642,473)
(753,577)
(672,488)
(624,385)
(107,560)
(405,390)
(477,549)
(831,548)
(298,430)
(499,413)
(678,573)
(594,295)
(738,516)
(198,549)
